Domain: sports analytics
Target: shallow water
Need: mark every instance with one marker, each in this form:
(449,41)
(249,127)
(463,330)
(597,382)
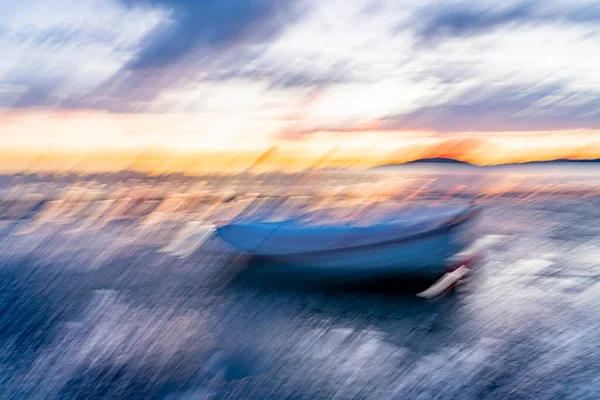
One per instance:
(135,308)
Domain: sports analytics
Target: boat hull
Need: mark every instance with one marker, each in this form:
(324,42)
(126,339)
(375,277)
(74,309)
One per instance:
(422,254)
(425,258)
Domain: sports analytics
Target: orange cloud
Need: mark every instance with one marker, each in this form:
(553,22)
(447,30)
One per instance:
(463,148)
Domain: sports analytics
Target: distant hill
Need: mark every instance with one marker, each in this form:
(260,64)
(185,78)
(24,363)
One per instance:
(451,161)
(439,160)
(445,161)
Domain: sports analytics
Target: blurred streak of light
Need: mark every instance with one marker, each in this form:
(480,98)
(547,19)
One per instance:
(93,207)
(181,245)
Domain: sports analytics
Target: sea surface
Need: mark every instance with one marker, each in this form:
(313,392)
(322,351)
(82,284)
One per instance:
(114,288)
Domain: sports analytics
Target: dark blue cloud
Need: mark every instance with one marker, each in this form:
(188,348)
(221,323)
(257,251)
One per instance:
(201,29)
(209,25)
(503,111)
(436,22)
(463,20)
(35,96)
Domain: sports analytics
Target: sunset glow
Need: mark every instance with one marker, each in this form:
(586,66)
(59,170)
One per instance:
(95,141)
(348,84)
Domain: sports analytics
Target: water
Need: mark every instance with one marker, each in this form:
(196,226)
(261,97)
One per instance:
(141,305)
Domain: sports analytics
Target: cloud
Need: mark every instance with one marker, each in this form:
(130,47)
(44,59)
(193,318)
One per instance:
(60,52)
(516,108)
(463,20)
(455,19)
(208,25)
(311,51)
(308,65)
(119,55)
(460,148)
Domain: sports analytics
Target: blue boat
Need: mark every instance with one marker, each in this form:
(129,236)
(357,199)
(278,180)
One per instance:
(420,241)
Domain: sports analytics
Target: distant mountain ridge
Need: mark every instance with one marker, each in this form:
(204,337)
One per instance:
(438,160)
(452,161)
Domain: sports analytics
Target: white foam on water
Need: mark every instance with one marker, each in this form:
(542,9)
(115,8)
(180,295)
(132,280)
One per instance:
(481,244)
(448,373)
(111,334)
(331,340)
(189,238)
(531,266)
(195,241)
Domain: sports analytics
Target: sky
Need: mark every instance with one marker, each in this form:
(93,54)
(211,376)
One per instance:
(186,84)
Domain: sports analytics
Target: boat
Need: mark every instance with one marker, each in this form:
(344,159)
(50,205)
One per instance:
(420,241)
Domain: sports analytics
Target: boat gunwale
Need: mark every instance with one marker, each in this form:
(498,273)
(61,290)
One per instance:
(445,227)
